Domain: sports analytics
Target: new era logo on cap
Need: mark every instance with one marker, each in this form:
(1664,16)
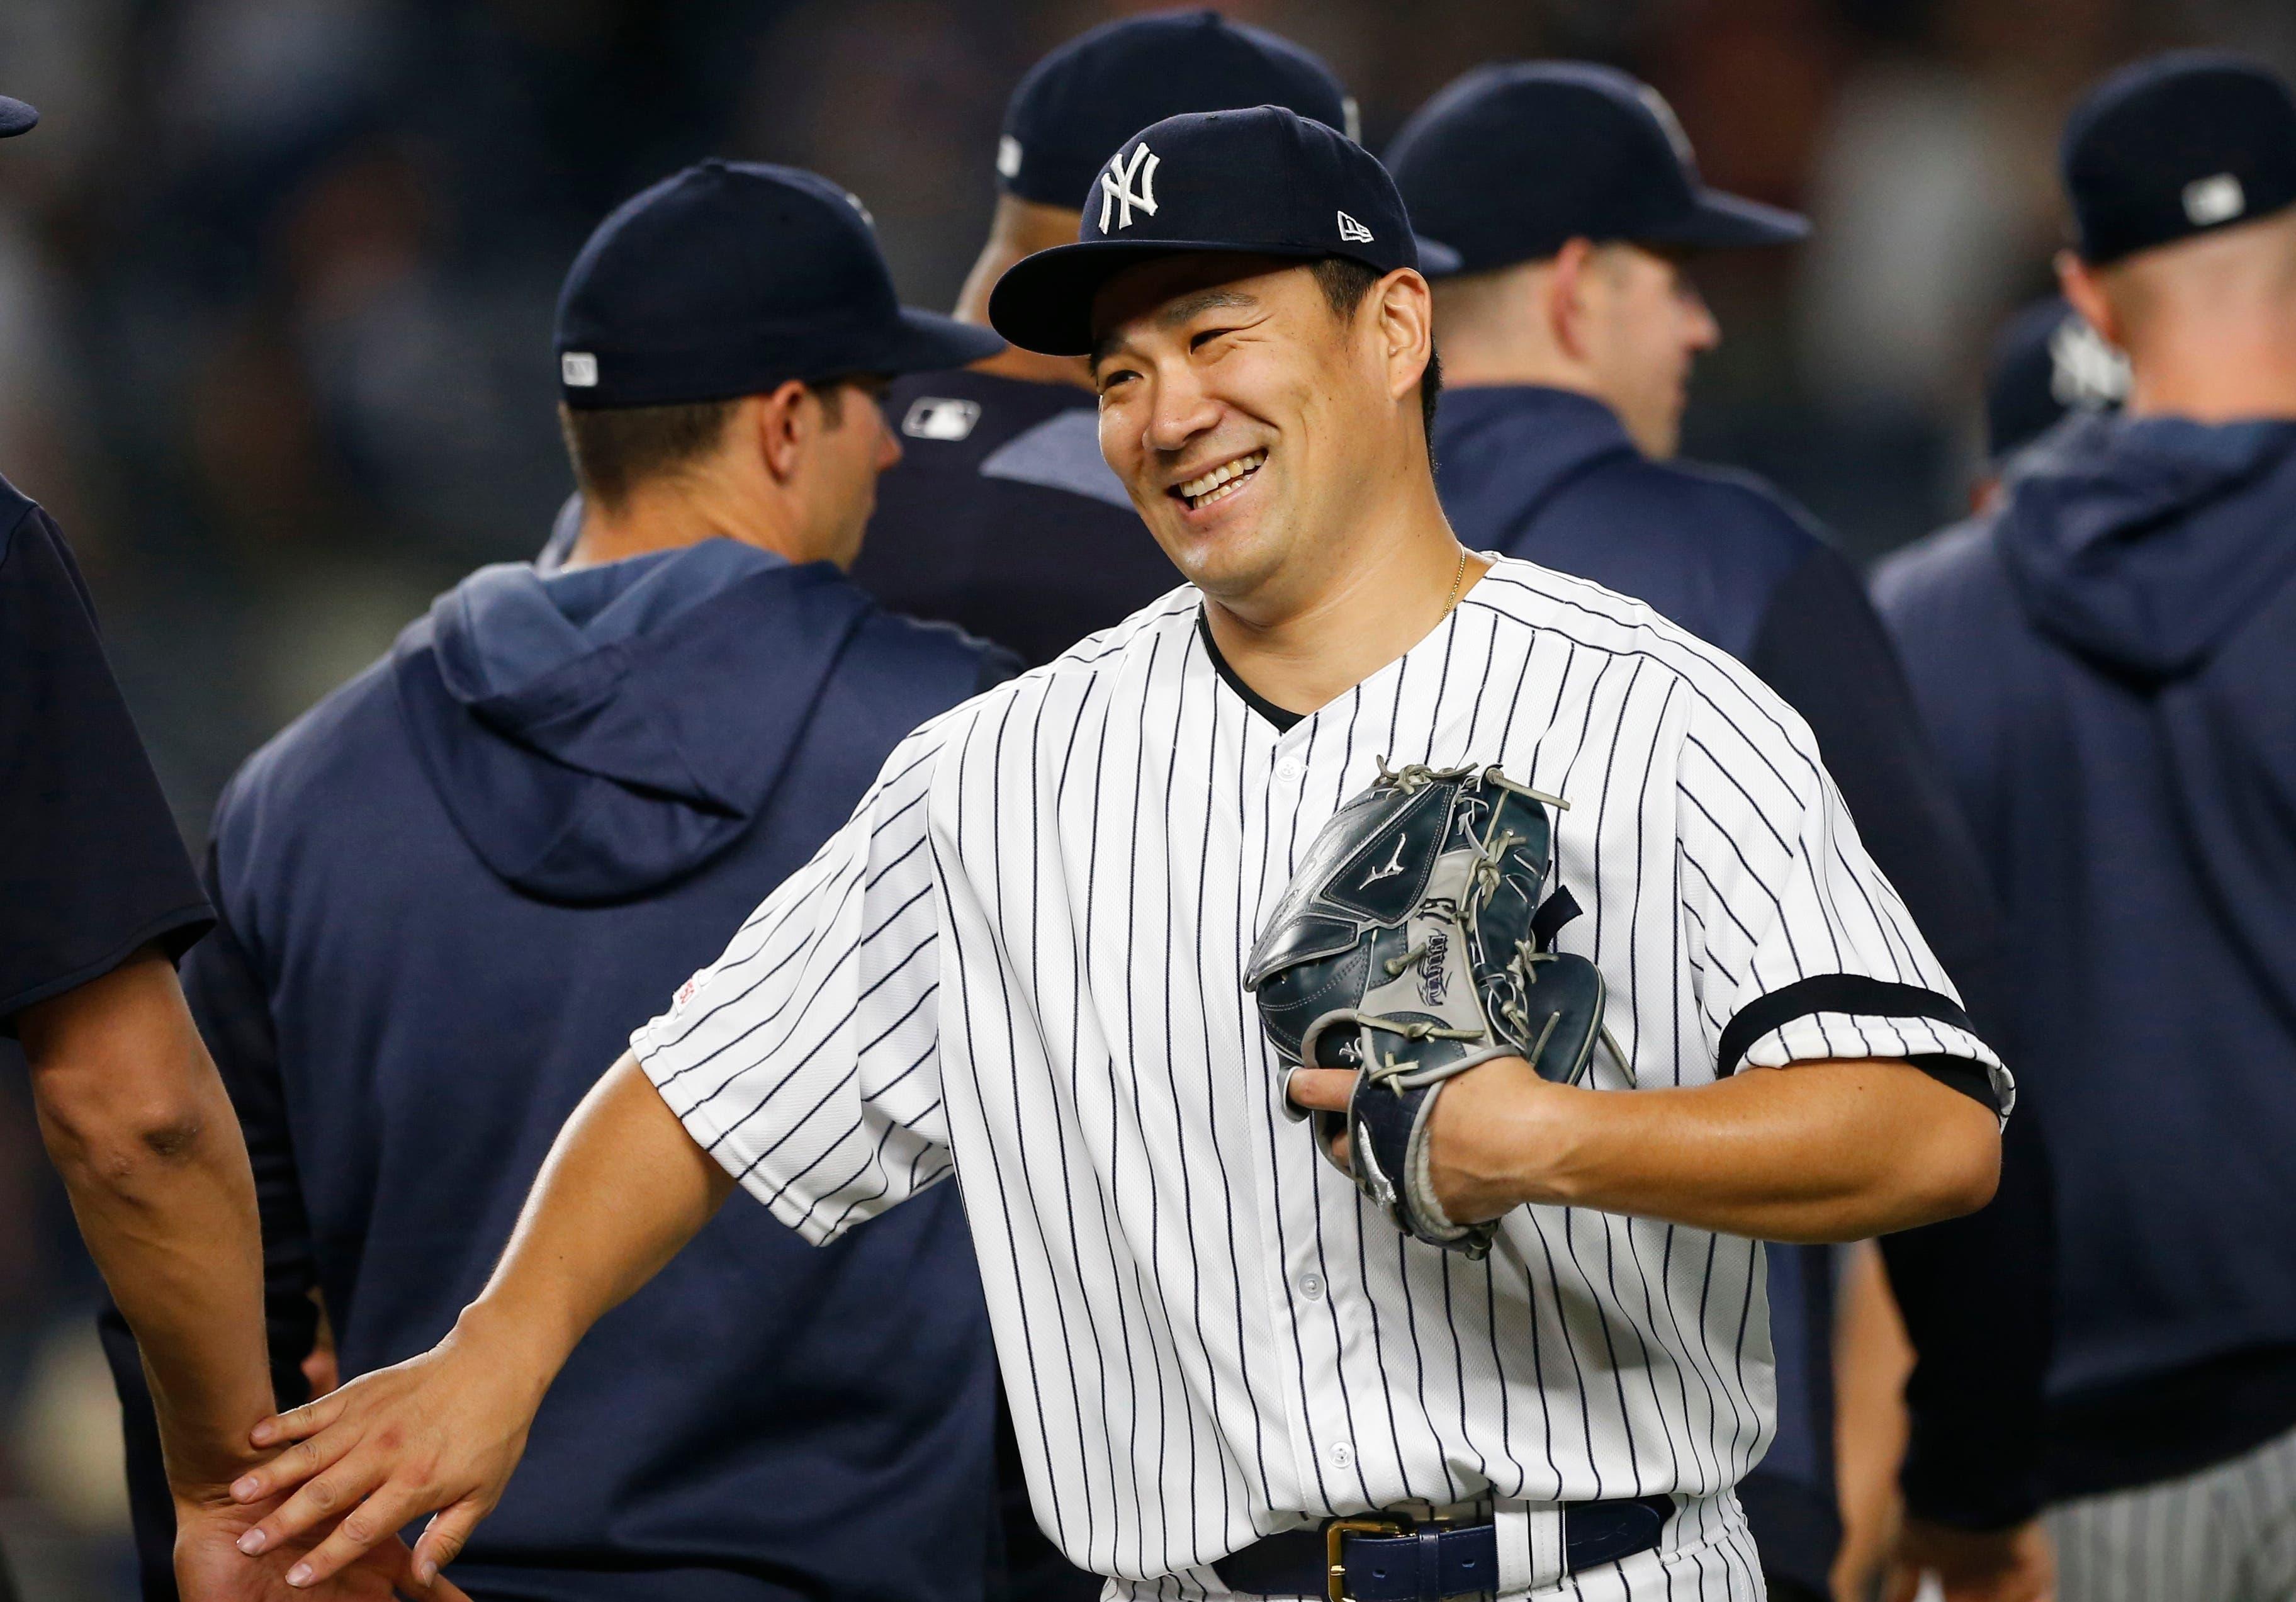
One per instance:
(1352,231)
(578,369)
(2215,199)
(1129,181)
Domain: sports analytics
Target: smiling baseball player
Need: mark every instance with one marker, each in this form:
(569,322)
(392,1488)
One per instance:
(1526,1348)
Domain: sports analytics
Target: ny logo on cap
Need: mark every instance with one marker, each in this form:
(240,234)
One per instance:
(1352,231)
(1126,184)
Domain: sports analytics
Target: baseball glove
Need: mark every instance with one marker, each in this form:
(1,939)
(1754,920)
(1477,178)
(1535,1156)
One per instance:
(1415,942)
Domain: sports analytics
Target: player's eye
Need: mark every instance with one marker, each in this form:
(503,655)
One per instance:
(1202,339)
(1114,377)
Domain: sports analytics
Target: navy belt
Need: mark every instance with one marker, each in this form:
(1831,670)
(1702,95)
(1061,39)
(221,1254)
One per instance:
(1386,1558)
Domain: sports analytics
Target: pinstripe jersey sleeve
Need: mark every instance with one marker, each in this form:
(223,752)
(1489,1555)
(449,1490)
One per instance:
(1802,949)
(806,1059)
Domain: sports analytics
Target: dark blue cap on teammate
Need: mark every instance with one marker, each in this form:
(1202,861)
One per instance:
(730,278)
(2046,361)
(2174,146)
(1074,105)
(1510,162)
(1262,182)
(15,118)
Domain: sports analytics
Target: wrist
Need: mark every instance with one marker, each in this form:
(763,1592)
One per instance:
(1544,1140)
(1504,1136)
(510,1343)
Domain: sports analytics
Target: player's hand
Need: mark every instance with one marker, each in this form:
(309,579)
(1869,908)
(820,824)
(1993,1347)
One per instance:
(1479,1141)
(2015,1565)
(211,1568)
(438,1433)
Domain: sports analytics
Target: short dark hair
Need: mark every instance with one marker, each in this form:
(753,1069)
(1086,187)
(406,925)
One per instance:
(1345,281)
(617,448)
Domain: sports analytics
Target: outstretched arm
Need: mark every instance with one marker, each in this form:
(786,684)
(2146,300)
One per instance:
(624,1187)
(1822,1151)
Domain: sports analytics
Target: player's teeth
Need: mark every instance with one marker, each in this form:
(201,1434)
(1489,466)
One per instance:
(1209,487)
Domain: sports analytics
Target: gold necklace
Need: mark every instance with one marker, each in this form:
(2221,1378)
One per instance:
(1458,577)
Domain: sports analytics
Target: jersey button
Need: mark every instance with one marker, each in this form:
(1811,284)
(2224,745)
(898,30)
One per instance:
(1288,770)
(1342,1455)
(1311,1286)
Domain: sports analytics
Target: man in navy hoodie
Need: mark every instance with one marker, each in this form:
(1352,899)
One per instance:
(448,892)
(1570,192)
(2109,660)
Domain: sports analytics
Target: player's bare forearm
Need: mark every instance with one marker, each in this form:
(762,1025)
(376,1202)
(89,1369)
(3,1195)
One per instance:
(622,1191)
(624,1187)
(137,1121)
(1828,1151)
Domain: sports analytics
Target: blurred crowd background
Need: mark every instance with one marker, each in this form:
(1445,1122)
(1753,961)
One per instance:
(276,280)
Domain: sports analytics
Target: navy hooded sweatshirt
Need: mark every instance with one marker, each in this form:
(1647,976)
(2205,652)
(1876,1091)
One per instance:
(1552,476)
(448,892)
(2108,662)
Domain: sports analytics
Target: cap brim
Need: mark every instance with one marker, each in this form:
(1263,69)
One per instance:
(1719,221)
(15,118)
(925,341)
(1044,302)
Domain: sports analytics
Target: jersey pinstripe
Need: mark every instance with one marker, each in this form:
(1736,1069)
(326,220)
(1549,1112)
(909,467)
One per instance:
(1021,960)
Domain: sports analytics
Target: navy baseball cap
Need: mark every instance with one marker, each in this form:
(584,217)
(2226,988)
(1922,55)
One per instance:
(1075,105)
(730,278)
(1510,161)
(1262,182)
(2046,361)
(15,118)
(2175,145)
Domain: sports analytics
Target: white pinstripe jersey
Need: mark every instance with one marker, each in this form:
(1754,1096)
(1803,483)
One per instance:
(1022,959)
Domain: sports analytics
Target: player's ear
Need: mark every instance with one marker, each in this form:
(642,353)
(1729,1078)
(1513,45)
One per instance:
(1569,282)
(1406,329)
(781,425)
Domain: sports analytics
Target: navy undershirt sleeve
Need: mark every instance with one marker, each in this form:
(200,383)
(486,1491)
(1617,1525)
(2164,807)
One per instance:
(1975,1292)
(90,868)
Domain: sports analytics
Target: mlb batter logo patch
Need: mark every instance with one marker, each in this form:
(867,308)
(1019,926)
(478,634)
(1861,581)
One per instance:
(688,991)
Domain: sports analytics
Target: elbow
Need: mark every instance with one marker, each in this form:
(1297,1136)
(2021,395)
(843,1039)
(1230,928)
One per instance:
(1960,1167)
(124,1150)
(124,1088)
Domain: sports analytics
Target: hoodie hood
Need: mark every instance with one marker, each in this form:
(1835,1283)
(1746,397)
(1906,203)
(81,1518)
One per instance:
(598,734)
(2144,542)
(1502,450)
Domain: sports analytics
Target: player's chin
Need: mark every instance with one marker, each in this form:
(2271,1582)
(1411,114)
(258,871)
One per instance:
(1223,562)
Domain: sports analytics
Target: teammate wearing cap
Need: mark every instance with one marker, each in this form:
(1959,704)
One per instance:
(1570,193)
(97,900)
(2046,361)
(446,891)
(1001,515)
(1025,956)
(2105,658)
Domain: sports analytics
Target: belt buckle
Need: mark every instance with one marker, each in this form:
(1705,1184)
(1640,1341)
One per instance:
(1335,1536)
